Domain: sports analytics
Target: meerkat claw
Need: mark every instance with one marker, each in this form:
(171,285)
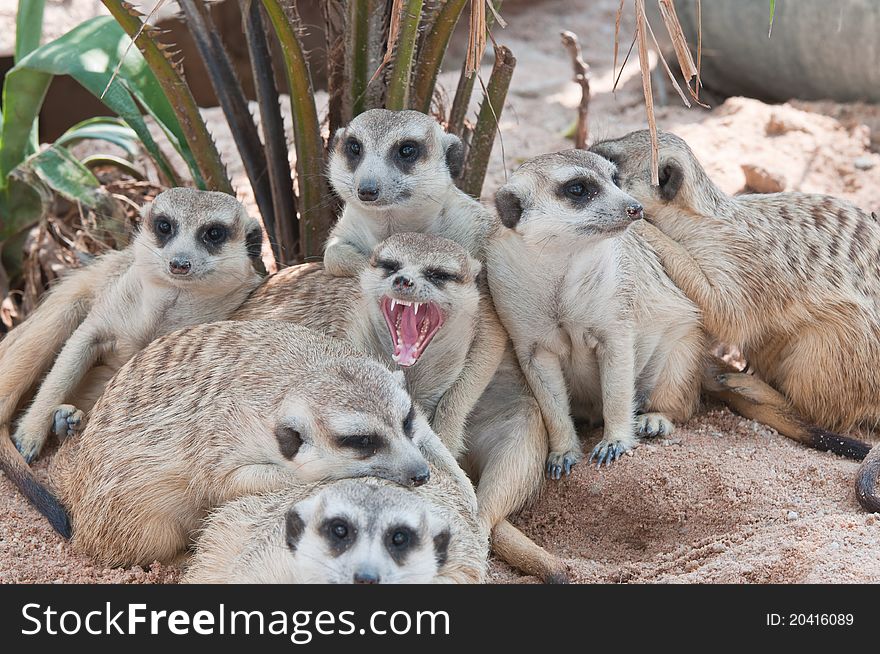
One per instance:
(557,464)
(68,421)
(28,449)
(606,453)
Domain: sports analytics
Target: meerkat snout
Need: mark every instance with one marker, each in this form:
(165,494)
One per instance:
(573,191)
(393,158)
(419,282)
(197,235)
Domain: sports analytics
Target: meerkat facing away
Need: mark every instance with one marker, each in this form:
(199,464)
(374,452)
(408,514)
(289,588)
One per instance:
(600,332)
(394,171)
(791,279)
(355,530)
(416,306)
(505,443)
(192,260)
(213,412)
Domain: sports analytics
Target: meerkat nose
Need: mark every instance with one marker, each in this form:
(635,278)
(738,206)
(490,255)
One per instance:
(366,577)
(402,282)
(179,266)
(634,211)
(421,477)
(368,191)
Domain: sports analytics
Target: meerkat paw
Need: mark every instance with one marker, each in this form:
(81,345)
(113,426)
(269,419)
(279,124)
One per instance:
(609,449)
(654,424)
(28,444)
(68,421)
(562,462)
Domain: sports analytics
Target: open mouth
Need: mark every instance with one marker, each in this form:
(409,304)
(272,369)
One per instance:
(412,326)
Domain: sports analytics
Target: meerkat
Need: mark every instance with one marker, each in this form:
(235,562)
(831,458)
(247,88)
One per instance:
(350,531)
(395,172)
(191,261)
(213,412)
(415,306)
(600,332)
(791,279)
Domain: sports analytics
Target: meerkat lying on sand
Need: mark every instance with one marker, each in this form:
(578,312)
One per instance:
(791,279)
(417,305)
(217,411)
(600,332)
(365,531)
(191,261)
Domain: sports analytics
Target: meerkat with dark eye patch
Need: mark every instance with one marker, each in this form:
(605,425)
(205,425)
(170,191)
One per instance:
(192,260)
(791,279)
(395,172)
(351,531)
(171,437)
(599,330)
(417,305)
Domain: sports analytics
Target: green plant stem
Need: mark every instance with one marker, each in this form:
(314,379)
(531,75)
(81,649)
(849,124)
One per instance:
(487,122)
(401,73)
(210,173)
(432,52)
(315,214)
(358,29)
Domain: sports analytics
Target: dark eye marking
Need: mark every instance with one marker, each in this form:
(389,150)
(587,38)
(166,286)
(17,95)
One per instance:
(353,147)
(580,190)
(164,228)
(399,541)
(364,444)
(441,276)
(390,267)
(339,534)
(615,177)
(408,150)
(214,234)
(409,420)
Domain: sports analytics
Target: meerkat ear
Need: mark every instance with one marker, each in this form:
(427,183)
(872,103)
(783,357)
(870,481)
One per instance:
(253,242)
(289,440)
(671,179)
(509,206)
(454,154)
(294,526)
(334,140)
(441,547)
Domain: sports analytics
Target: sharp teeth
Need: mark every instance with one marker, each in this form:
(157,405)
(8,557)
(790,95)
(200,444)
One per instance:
(393,304)
(416,308)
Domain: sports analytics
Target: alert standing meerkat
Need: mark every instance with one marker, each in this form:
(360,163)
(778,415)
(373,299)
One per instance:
(217,411)
(192,260)
(600,332)
(394,171)
(350,531)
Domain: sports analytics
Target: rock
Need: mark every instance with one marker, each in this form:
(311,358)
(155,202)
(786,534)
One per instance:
(792,515)
(864,163)
(761,180)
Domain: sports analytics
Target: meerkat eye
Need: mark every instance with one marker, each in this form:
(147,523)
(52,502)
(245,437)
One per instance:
(390,267)
(400,538)
(163,226)
(409,420)
(354,147)
(578,189)
(616,179)
(215,234)
(408,150)
(339,529)
(439,276)
(364,443)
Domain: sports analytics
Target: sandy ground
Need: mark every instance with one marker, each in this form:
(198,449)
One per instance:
(724,499)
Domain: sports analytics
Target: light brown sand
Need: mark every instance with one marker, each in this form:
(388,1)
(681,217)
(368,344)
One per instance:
(724,499)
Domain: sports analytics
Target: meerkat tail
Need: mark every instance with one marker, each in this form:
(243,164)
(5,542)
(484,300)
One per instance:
(866,481)
(518,550)
(754,399)
(12,463)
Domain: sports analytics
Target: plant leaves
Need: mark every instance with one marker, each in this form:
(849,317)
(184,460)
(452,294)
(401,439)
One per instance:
(103,128)
(63,173)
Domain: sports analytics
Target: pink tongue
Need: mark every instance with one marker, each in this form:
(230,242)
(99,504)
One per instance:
(409,329)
